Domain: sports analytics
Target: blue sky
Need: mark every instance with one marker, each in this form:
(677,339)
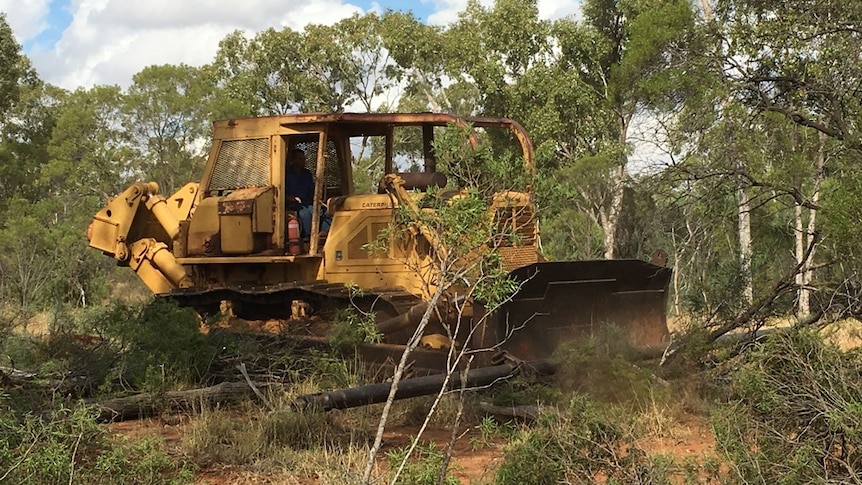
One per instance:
(82,43)
(59,17)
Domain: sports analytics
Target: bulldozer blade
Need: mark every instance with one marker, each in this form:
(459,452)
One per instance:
(560,301)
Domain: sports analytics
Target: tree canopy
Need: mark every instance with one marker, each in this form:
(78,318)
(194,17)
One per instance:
(724,132)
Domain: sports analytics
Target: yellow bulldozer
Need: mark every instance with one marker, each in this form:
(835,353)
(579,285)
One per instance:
(233,239)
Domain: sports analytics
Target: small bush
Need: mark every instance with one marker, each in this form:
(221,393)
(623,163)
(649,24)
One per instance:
(489,431)
(525,390)
(422,468)
(577,445)
(797,413)
(159,345)
(601,367)
(351,328)
(69,447)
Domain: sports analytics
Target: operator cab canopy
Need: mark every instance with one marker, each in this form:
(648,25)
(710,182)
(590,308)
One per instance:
(399,139)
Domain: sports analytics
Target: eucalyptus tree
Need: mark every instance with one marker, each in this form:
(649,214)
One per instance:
(344,66)
(798,58)
(15,67)
(626,61)
(421,53)
(166,113)
(266,74)
(494,48)
(90,152)
(24,138)
(775,65)
(26,119)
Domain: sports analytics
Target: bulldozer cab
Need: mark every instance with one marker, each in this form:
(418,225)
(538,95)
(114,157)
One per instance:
(249,162)
(232,236)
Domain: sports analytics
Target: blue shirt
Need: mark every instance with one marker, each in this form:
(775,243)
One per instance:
(301,186)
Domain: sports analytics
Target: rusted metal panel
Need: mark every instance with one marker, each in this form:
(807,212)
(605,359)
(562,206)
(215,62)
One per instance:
(240,201)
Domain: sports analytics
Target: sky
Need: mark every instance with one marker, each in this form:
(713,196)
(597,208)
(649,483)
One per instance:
(82,43)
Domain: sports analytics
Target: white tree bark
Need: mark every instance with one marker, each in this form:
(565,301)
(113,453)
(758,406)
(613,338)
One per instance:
(745,245)
(805,237)
(610,218)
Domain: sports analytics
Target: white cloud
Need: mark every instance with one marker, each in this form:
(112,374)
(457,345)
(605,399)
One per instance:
(108,41)
(26,18)
(556,9)
(446,11)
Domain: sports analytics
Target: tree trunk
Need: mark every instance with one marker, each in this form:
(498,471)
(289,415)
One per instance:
(707,10)
(805,237)
(618,179)
(745,251)
(144,405)
(802,302)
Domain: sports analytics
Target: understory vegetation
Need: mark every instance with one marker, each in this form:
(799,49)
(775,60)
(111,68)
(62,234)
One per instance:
(787,409)
(721,138)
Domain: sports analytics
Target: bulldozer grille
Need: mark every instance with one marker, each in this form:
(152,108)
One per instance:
(332,175)
(516,236)
(240,164)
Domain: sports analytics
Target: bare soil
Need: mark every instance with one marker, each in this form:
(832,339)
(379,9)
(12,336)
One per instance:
(472,463)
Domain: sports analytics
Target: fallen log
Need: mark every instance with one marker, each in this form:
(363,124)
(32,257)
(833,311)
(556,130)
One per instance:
(64,383)
(145,405)
(525,413)
(417,386)
(11,376)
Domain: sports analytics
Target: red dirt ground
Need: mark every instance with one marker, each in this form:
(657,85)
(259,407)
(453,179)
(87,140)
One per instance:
(692,438)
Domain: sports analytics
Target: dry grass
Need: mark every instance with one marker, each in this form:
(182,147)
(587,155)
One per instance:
(658,416)
(845,334)
(295,446)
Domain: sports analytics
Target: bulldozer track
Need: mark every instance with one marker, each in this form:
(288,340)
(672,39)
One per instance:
(322,295)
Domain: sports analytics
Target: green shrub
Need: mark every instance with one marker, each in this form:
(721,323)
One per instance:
(577,445)
(601,367)
(69,447)
(351,328)
(422,468)
(797,413)
(160,345)
(524,390)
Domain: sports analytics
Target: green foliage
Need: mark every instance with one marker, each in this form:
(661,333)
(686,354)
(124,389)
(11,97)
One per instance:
(351,328)
(36,240)
(424,466)
(489,431)
(571,235)
(485,167)
(89,151)
(160,344)
(459,227)
(795,61)
(14,66)
(118,348)
(840,222)
(576,445)
(166,110)
(600,365)
(68,446)
(24,138)
(526,390)
(797,413)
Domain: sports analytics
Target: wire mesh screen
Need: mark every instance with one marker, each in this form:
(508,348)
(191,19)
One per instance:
(332,177)
(241,163)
